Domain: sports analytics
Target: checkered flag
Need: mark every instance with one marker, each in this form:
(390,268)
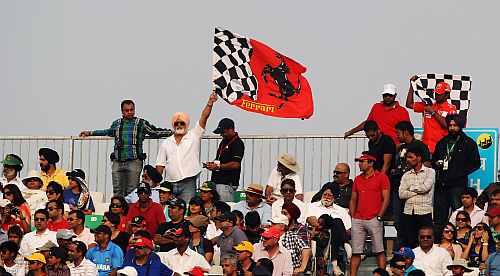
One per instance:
(460,89)
(232,75)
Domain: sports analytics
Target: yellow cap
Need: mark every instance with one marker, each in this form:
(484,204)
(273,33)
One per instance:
(36,257)
(244,246)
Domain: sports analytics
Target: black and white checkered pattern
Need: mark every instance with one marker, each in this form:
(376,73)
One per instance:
(232,75)
(460,89)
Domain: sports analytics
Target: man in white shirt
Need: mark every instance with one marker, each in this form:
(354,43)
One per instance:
(12,165)
(429,257)
(80,266)
(182,259)
(287,167)
(39,236)
(468,199)
(288,191)
(76,219)
(179,154)
(326,206)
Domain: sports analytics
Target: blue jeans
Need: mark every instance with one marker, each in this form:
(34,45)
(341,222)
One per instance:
(126,176)
(226,192)
(185,189)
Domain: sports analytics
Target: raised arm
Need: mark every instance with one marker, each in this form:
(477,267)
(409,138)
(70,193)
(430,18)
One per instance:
(207,110)
(409,98)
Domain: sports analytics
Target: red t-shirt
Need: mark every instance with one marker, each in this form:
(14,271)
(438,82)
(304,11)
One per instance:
(387,118)
(123,224)
(433,132)
(56,226)
(153,215)
(369,191)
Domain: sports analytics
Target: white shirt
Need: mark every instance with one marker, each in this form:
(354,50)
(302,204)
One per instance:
(212,231)
(85,268)
(282,260)
(16,181)
(278,204)
(316,209)
(476,216)
(19,267)
(185,262)
(32,241)
(434,262)
(183,160)
(275,179)
(85,236)
(36,199)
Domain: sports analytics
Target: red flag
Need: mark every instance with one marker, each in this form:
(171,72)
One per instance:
(256,78)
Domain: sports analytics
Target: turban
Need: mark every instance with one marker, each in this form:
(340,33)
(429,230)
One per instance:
(180,116)
(49,154)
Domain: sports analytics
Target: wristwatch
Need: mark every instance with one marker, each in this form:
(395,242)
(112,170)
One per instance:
(379,218)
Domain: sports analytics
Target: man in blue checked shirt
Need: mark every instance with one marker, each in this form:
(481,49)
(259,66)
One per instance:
(107,256)
(129,133)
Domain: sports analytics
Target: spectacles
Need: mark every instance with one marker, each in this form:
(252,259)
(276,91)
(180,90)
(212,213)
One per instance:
(39,219)
(288,191)
(116,205)
(447,231)
(179,124)
(338,172)
(425,237)
(401,267)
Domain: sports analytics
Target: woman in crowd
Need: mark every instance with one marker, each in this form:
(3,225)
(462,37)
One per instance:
(330,237)
(463,228)
(208,195)
(198,227)
(293,213)
(54,191)
(18,212)
(15,234)
(195,207)
(480,245)
(240,220)
(77,195)
(449,241)
(34,195)
(118,237)
(119,206)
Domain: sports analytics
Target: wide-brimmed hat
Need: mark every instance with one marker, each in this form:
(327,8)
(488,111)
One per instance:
(32,175)
(208,186)
(199,221)
(289,162)
(459,262)
(255,189)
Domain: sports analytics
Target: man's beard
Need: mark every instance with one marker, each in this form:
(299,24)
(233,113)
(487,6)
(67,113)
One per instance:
(180,130)
(44,168)
(326,202)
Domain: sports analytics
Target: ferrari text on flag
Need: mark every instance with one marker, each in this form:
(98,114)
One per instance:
(256,78)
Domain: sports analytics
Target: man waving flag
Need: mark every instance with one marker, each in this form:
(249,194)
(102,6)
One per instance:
(256,78)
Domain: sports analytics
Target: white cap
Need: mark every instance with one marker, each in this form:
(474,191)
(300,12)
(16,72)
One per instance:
(280,218)
(389,88)
(128,270)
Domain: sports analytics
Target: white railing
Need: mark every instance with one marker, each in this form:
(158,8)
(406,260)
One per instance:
(316,154)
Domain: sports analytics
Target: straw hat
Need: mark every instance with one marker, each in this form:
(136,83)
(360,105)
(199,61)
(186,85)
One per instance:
(289,162)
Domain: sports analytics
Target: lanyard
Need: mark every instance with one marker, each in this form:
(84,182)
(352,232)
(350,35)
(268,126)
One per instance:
(223,147)
(449,149)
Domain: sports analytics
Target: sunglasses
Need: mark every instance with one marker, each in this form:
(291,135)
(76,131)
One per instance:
(39,219)
(461,219)
(179,124)
(447,231)
(115,205)
(288,191)
(401,267)
(142,192)
(338,172)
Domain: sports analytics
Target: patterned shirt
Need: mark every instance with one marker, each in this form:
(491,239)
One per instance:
(129,135)
(418,189)
(291,241)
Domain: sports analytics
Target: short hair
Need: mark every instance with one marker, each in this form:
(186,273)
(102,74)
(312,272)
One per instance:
(238,214)
(124,102)
(252,219)
(416,272)
(9,246)
(405,126)
(288,181)
(266,263)
(395,259)
(380,271)
(495,192)
(113,218)
(415,150)
(79,215)
(427,227)
(370,125)
(222,207)
(59,204)
(42,211)
(15,230)
(470,191)
(80,247)
(143,233)
(58,189)
(231,258)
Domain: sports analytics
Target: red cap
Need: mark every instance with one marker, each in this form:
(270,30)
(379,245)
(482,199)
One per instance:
(196,271)
(493,212)
(145,242)
(442,88)
(364,157)
(272,232)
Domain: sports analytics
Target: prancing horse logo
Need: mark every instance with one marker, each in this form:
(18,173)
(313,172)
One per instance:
(279,75)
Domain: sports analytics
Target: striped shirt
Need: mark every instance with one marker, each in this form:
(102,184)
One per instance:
(85,268)
(417,188)
(129,135)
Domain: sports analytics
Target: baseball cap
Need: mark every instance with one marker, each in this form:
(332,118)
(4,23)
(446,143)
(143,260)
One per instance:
(244,246)
(207,186)
(442,88)
(405,252)
(144,187)
(12,160)
(143,242)
(128,271)
(103,229)
(365,156)
(389,88)
(47,246)
(166,186)
(138,220)
(177,202)
(58,252)
(65,234)
(280,219)
(36,257)
(271,233)
(225,123)
(199,221)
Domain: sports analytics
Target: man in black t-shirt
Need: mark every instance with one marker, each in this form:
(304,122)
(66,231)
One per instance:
(226,168)
(380,146)
(176,210)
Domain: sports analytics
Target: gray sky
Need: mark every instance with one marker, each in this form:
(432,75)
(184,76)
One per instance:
(66,65)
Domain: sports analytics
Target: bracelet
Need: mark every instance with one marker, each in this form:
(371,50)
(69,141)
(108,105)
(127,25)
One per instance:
(485,243)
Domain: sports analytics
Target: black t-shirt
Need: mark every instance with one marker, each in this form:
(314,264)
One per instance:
(164,227)
(385,145)
(122,241)
(229,151)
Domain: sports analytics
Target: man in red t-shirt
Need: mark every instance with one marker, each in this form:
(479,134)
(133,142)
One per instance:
(386,114)
(369,200)
(56,216)
(145,207)
(434,115)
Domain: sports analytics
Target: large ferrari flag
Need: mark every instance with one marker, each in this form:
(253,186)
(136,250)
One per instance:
(254,77)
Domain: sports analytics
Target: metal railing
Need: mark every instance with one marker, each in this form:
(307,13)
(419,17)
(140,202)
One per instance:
(316,155)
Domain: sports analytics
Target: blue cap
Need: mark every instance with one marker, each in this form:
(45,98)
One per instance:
(405,252)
